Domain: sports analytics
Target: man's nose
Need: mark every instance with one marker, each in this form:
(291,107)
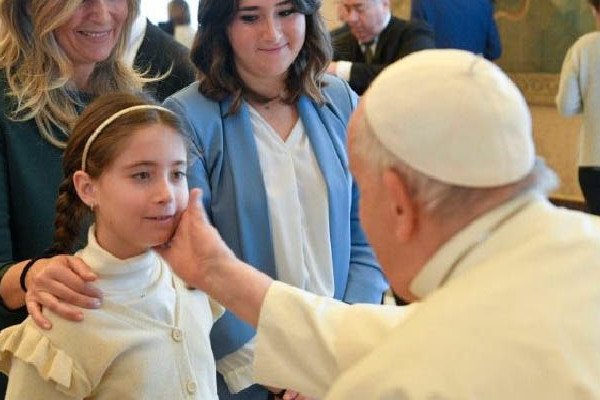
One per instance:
(351,15)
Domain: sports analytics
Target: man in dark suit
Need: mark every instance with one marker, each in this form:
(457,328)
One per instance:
(371,39)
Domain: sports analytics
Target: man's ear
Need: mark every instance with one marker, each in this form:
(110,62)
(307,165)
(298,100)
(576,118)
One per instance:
(85,188)
(404,207)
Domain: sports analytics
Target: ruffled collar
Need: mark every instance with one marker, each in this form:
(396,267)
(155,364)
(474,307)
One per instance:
(133,276)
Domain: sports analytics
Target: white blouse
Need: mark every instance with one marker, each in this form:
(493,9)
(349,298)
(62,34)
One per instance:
(299,218)
(298,207)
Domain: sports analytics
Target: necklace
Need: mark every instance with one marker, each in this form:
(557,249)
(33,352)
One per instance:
(267,105)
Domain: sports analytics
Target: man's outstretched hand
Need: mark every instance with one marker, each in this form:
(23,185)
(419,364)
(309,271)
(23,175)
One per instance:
(196,248)
(200,257)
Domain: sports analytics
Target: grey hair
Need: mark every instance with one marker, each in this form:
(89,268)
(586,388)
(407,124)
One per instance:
(438,198)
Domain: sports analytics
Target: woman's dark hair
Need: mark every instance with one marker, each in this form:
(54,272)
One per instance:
(213,55)
(71,212)
(595,4)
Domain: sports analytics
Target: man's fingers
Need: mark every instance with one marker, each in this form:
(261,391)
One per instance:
(290,395)
(195,205)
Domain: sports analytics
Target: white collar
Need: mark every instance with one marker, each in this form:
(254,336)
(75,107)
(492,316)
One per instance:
(117,277)
(388,18)
(452,258)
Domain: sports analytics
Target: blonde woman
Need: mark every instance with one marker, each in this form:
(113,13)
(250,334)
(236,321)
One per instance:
(55,55)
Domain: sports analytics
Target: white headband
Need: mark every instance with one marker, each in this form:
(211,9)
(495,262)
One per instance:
(110,120)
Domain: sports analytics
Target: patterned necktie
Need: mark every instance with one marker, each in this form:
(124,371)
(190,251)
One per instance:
(368,52)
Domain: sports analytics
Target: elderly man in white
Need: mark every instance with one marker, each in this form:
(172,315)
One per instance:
(505,286)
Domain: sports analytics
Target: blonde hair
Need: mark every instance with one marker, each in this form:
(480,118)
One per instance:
(38,72)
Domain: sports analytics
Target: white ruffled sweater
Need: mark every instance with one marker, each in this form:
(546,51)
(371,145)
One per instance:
(149,340)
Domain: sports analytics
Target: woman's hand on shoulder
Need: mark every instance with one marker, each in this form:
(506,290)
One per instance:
(59,284)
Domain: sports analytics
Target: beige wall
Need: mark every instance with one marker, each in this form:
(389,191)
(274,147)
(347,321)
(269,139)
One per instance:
(400,8)
(329,13)
(556,137)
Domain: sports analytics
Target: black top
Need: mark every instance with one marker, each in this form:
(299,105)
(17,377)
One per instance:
(159,51)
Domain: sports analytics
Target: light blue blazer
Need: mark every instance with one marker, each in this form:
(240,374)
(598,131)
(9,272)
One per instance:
(228,171)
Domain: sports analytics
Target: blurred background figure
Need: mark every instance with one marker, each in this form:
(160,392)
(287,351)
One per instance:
(461,24)
(172,59)
(578,92)
(179,23)
(372,38)
(179,14)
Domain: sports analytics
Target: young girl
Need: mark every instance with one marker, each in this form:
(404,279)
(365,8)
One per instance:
(124,166)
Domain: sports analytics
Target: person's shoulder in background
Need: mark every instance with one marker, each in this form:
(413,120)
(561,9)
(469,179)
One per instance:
(343,43)
(167,26)
(338,32)
(159,53)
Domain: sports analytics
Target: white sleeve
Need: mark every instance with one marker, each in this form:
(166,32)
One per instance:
(237,367)
(569,98)
(304,342)
(343,69)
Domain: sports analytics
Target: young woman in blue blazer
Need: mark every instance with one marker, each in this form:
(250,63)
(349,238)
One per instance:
(270,129)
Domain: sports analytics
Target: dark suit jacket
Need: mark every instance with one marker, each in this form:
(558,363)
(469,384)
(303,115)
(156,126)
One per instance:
(397,40)
(156,54)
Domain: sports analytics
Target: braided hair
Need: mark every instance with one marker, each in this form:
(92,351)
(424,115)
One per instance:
(71,212)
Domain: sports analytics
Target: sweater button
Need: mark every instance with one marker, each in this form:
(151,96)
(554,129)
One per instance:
(191,387)
(177,335)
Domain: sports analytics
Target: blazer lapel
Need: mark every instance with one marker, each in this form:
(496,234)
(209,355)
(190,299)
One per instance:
(251,207)
(358,54)
(320,131)
(382,42)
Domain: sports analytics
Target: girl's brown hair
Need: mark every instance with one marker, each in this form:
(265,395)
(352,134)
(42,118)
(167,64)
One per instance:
(71,212)
(213,55)
(595,4)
